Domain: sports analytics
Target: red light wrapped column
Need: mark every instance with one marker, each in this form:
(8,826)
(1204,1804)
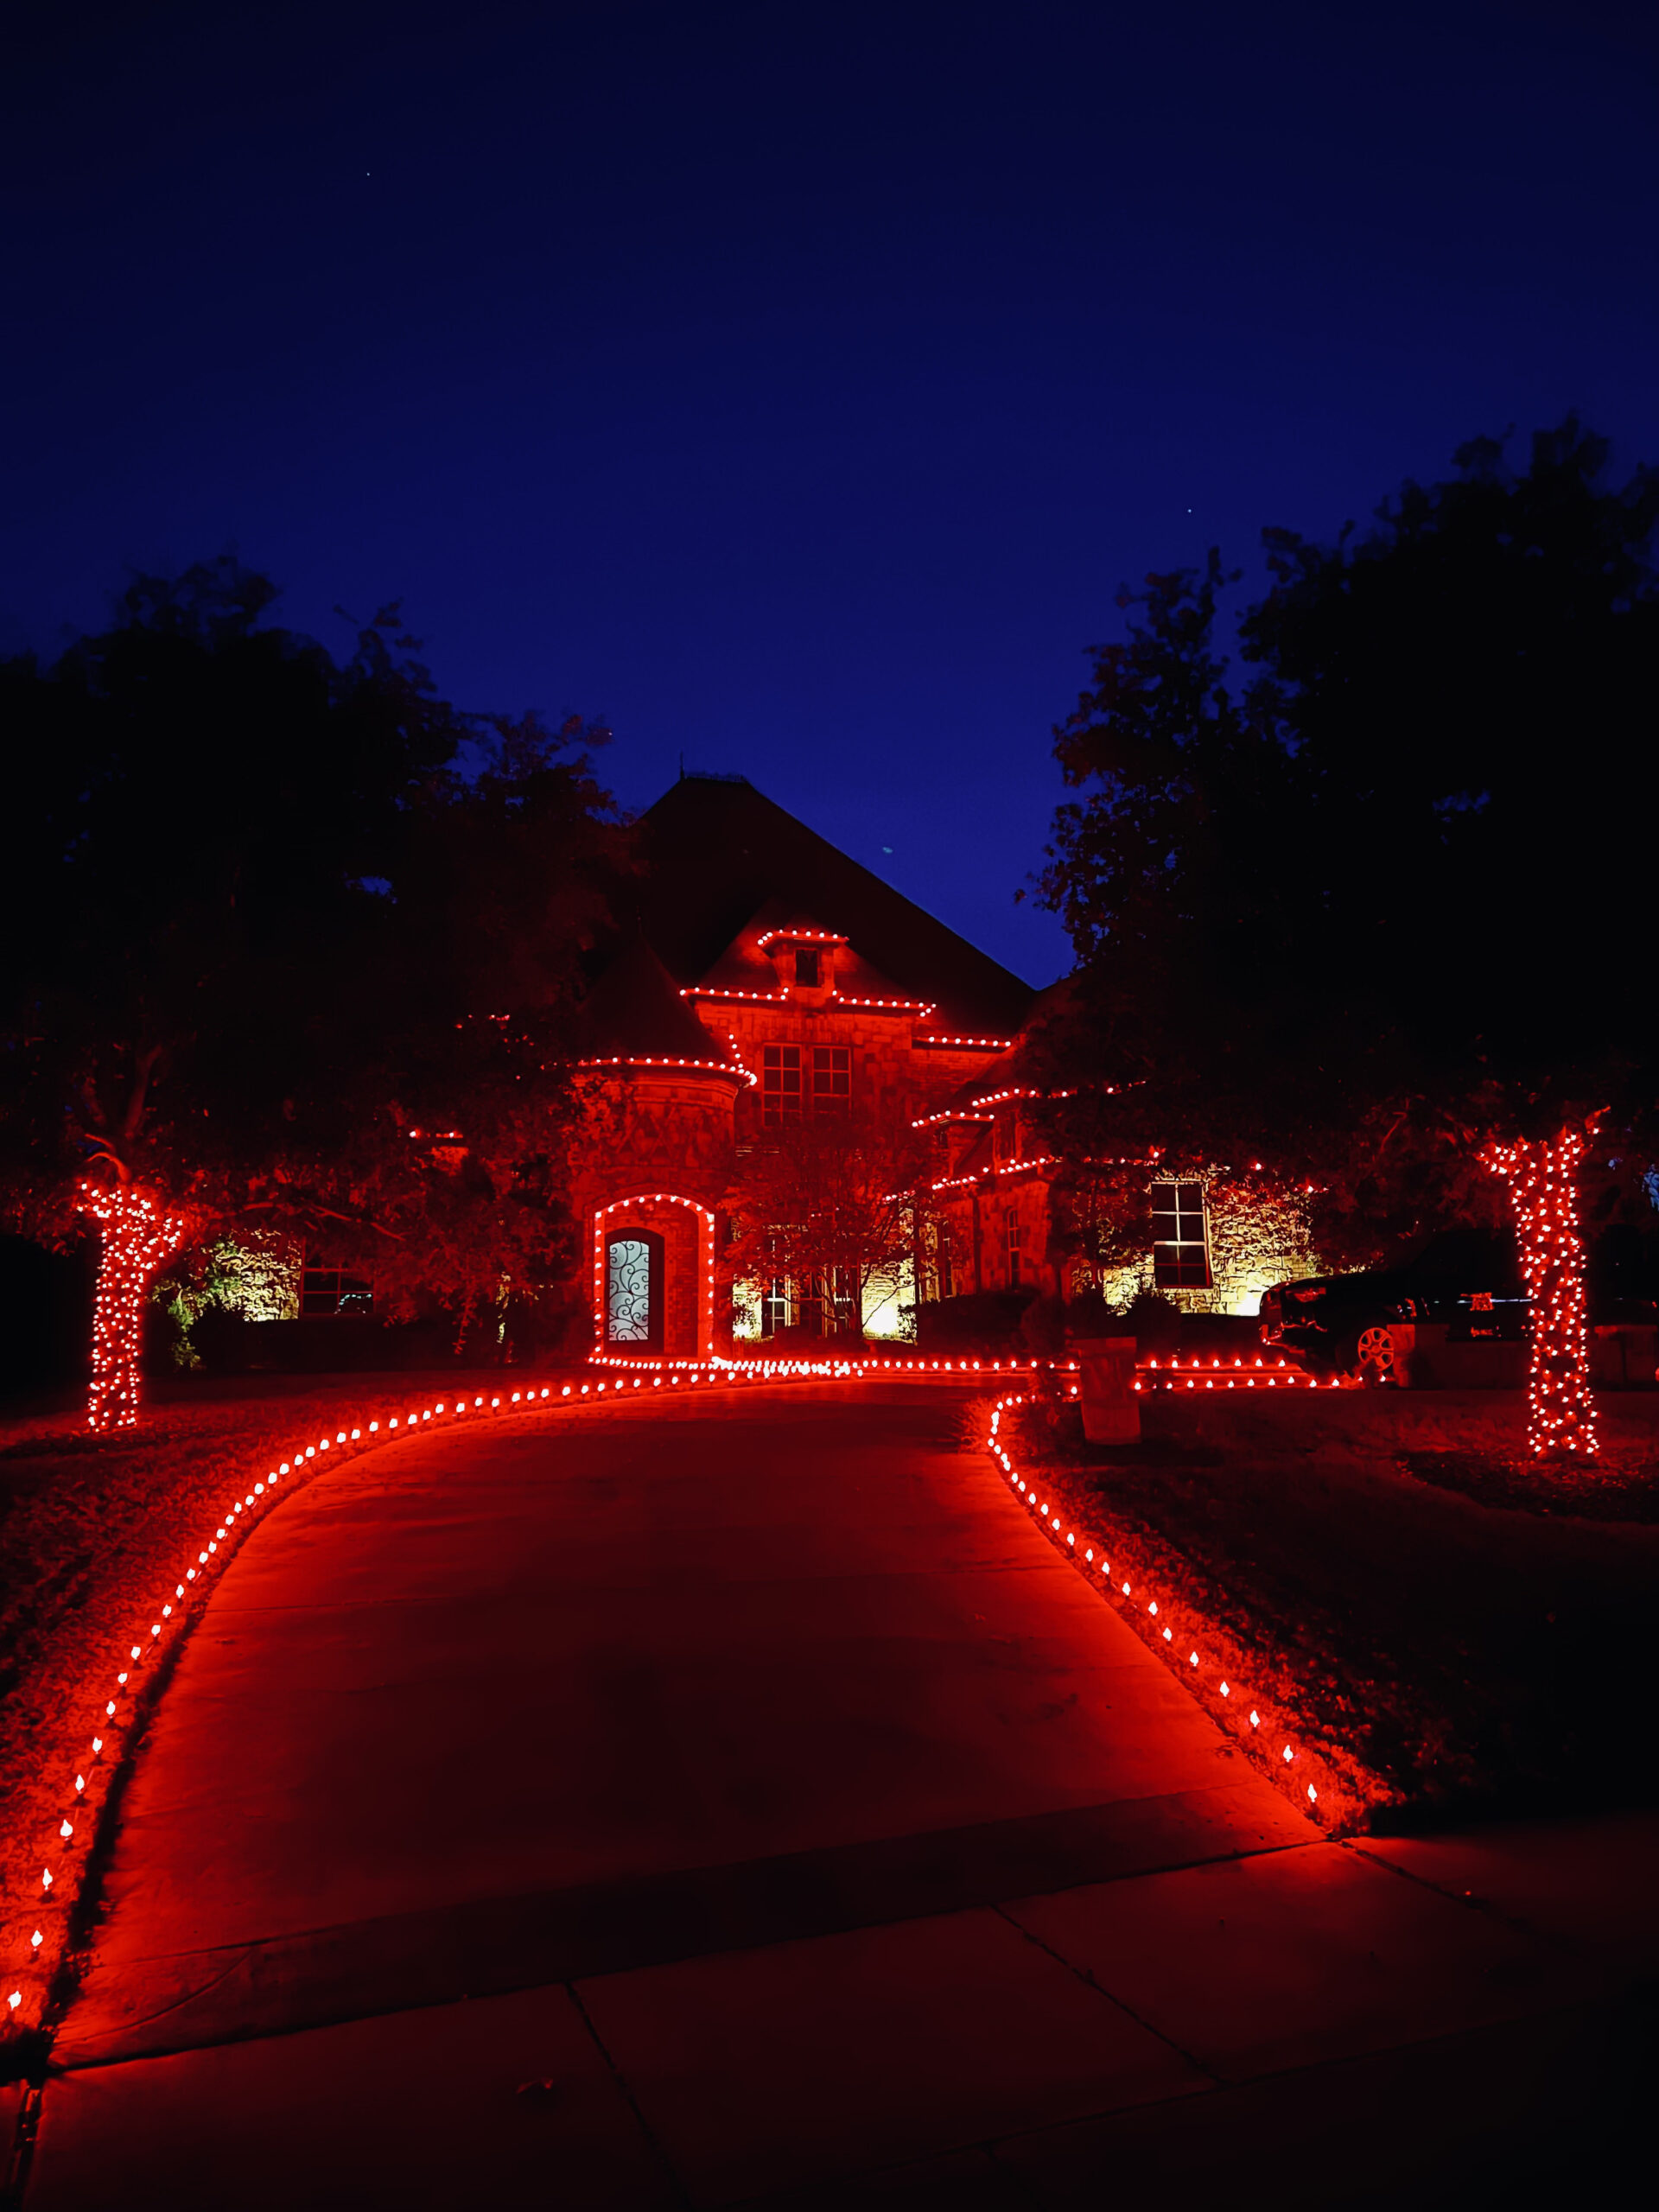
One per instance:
(137,1237)
(1542,1180)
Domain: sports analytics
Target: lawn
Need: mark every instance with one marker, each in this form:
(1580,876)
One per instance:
(1456,1631)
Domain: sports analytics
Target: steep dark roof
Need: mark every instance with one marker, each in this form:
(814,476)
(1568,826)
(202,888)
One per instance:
(635,1010)
(717,850)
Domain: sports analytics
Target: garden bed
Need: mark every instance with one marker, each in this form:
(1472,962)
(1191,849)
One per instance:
(1463,1632)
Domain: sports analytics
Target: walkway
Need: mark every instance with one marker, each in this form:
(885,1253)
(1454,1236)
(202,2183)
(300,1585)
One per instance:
(741,1802)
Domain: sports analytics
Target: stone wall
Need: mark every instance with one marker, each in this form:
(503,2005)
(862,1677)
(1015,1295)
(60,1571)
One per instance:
(1257,1235)
(647,1139)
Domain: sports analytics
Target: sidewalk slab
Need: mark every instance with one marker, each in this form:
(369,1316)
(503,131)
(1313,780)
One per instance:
(1257,1965)
(148,2007)
(1515,2115)
(418,2110)
(1589,1881)
(781,2069)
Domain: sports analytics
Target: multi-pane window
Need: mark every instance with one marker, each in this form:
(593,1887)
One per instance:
(1016,1247)
(781,1085)
(790,1075)
(331,1290)
(832,1078)
(1180,1256)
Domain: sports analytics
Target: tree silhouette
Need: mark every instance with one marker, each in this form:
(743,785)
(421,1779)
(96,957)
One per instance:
(269,915)
(1378,912)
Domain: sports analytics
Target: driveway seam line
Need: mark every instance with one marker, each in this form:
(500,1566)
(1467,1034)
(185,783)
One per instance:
(1551,1938)
(652,2141)
(1081,1975)
(244,1949)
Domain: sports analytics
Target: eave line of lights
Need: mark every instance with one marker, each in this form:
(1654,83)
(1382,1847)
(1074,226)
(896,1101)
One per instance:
(738,1075)
(922,1008)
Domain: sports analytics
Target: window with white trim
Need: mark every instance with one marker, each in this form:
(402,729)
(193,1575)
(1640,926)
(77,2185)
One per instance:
(1180,1248)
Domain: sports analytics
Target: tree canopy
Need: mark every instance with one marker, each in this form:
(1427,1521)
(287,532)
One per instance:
(837,1206)
(1388,890)
(278,924)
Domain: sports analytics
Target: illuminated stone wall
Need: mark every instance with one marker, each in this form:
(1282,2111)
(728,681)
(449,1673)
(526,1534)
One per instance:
(647,1132)
(1257,1236)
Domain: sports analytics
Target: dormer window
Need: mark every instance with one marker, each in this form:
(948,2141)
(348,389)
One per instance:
(806,967)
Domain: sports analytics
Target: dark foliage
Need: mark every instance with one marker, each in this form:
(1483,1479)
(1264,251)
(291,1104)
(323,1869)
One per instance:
(269,915)
(1389,894)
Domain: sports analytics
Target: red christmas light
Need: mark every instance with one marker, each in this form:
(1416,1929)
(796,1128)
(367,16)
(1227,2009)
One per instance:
(137,1237)
(1542,1174)
(969,1044)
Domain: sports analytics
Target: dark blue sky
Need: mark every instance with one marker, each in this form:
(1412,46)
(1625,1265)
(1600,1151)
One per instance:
(795,385)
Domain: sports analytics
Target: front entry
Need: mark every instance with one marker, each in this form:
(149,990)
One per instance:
(654,1277)
(633,1290)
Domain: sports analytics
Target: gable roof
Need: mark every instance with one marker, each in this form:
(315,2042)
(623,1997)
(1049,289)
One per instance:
(717,851)
(635,1012)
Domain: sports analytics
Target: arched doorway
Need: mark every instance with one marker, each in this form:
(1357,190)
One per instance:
(633,1290)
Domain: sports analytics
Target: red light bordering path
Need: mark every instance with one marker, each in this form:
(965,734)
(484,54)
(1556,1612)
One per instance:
(1195,1673)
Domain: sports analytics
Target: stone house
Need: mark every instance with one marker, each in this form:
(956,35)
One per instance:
(768,980)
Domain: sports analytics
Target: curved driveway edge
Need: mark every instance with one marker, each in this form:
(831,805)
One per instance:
(751,1786)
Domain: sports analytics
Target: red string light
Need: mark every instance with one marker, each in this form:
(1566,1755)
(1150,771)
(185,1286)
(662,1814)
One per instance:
(137,1237)
(651,1060)
(1007,1168)
(922,1008)
(1089,1566)
(1542,1174)
(798,937)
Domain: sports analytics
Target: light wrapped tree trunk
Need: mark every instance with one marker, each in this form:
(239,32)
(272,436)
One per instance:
(137,1237)
(1542,1174)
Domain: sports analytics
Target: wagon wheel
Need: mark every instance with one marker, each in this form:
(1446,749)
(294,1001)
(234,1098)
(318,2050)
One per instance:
(1377,1355)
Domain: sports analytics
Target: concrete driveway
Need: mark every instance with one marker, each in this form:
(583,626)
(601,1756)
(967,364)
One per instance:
(741,1802)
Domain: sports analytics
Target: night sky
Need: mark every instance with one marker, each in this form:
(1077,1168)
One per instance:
(794,385)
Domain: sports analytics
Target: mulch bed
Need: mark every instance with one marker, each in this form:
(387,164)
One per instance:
(1510,1484)
(1467,1633)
